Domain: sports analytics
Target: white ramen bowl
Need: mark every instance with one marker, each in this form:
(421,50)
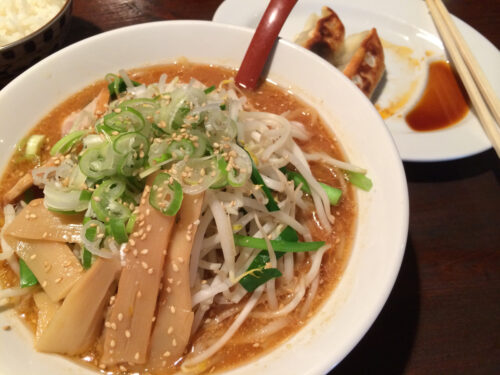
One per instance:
(383,212)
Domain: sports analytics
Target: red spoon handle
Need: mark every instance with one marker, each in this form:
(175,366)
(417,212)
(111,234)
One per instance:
(262,42)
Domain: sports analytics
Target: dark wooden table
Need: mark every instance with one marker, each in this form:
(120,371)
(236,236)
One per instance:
(443,316)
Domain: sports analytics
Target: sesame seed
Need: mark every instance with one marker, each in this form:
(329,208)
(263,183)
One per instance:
(139,294)
(58,280)
(144,252)
(44,284)
(127,334)
(170,330)
(45,234)
(144,265)
(172,309)
(170,280)
(107,324)
(113,326)
(169,289)
(112,343)
(123,368)
(174,342)
(181,260)
(33,256)
(120,317)
(136,356)
(166,354)
(150,271)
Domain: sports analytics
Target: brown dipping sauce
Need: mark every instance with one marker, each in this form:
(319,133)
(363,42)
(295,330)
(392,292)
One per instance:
(266,97)
(443,103)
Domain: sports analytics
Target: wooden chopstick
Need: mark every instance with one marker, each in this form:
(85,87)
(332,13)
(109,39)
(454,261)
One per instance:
(471,62)
(469,71)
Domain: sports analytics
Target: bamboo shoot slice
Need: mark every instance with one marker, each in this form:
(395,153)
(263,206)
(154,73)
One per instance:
(173,327)
(36,222)
(46,310)
(53,263)
(126,339)
(77,323)
(23,184)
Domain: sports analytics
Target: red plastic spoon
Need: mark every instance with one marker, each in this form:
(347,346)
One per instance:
(262,42)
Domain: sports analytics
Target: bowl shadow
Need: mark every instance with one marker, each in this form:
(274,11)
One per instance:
(453,169)
(387,346)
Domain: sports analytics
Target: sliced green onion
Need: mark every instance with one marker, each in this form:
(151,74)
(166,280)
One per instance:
(222,180)
(63,199)
(208,90)
(286,246)
(360,180)
(203,171)
(98,162)
(63,212)
(104,201)
(180,149)
(65,144)
(91,233)
(147,107)
(131,142)
(126,120)
(200,143)
(135,147)
(26,276)
(222,107)
(118,230)
(166,196)
(130,223)
(242,169)
(85,195)
(34,145)
(179,116)
(118,85)
(86,259)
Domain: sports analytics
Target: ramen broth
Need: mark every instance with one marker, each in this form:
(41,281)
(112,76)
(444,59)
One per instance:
(246,343)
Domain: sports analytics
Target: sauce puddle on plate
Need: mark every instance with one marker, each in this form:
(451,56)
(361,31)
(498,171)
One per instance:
(443,103)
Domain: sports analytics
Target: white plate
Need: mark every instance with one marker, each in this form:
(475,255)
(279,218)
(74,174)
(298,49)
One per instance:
(410,27)
(383,215)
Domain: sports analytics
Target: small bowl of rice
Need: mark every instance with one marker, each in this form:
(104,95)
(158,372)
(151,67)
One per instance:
(29,31)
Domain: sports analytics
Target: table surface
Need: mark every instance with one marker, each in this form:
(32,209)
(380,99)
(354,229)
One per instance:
(443,315)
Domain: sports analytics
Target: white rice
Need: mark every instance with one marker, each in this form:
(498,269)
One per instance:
(19,18)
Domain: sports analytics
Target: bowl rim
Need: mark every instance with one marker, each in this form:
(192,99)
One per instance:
(49,23)
(389,281)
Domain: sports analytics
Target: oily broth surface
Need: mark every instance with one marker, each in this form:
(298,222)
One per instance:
(269,98)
